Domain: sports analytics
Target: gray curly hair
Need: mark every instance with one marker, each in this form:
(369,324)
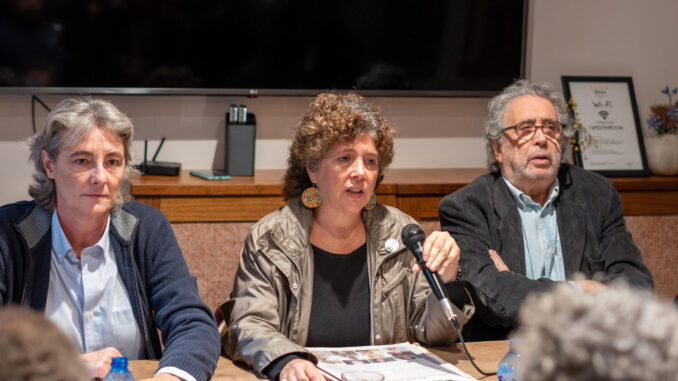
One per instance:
(32,348)
(67,123)
(617,333)
(494,124)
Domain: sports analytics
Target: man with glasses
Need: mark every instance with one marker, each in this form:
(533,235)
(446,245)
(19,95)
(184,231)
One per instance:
(533,220)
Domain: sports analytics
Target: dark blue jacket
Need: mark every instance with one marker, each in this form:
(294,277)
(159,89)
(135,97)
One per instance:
(483,215)
(162,293)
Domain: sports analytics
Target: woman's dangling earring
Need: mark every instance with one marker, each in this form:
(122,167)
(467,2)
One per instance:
(372,203)
(311,197)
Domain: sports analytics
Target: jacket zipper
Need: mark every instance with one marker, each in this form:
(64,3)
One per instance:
(373,274)
(147,340)
(28,267)
(151,353)
(297,311)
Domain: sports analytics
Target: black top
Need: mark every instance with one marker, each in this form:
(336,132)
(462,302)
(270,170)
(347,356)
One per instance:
(340,311)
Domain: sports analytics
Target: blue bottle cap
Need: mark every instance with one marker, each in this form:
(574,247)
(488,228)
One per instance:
(119,363)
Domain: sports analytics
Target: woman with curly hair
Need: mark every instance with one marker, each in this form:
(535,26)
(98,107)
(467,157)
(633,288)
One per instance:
(329,268)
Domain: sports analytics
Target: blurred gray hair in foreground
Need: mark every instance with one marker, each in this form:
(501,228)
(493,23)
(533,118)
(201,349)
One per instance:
(617,333)
(32,348)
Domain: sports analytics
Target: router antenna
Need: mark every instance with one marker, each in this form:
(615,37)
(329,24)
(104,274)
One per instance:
(145,154)
(158,150)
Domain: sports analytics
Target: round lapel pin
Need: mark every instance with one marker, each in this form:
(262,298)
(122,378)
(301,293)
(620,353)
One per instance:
(391,245)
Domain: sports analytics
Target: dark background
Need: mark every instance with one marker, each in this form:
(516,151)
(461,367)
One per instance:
(429,45)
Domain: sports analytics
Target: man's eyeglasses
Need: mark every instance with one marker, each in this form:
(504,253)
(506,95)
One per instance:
(527,130)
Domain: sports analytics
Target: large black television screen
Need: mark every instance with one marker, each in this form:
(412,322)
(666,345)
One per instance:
(295,47)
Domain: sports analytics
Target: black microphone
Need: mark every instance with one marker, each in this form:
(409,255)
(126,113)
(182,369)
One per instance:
(413,236)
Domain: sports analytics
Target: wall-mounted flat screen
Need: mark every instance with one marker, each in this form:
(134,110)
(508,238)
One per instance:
(294,47)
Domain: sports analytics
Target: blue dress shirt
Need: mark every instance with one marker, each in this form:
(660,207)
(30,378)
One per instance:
(543,253)
(87,299)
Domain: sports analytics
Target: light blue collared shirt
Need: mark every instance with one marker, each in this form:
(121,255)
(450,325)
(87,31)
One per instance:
(86,297)
(543,253)
(88,301)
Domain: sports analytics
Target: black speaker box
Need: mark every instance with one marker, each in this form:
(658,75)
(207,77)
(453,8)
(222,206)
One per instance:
(240,144)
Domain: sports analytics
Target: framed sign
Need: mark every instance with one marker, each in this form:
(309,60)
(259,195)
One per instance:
(607,110)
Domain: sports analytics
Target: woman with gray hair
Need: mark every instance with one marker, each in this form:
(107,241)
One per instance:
(70,121)
(615,334)
(109,273)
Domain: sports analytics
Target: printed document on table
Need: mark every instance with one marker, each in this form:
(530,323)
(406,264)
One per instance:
(397,362)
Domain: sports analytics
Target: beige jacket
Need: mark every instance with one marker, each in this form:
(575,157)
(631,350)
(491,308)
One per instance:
(269,309)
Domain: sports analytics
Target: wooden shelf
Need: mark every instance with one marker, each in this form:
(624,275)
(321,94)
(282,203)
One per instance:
(417,192)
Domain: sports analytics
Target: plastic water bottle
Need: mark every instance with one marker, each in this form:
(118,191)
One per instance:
(507,366)
(119,370)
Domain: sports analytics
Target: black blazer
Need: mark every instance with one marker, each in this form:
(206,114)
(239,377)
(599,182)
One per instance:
(483,215)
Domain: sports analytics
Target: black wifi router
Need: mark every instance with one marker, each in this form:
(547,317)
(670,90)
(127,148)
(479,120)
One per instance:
(161,168)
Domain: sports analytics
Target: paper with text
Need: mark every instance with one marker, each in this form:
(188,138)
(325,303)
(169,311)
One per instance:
(397,362)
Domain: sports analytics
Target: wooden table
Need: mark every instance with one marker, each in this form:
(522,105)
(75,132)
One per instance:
(486,354)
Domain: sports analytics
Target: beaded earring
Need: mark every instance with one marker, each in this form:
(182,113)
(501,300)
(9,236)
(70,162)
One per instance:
(311,197)
(372,203)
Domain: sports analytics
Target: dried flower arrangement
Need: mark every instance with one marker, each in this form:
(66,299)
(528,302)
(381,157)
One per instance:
(664,117)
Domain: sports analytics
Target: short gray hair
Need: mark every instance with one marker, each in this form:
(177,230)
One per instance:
(494,124)
(617,333)
(67,123)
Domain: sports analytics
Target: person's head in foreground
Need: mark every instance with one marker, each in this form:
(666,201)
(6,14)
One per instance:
(81,159)
(341,148)
(32,348)
(616,333)
(527,133)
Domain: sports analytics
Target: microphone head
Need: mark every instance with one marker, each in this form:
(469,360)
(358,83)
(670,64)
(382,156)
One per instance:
(412,234)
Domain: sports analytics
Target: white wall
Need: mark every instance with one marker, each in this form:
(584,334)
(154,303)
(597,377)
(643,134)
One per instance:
(575,37)
(607,37)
